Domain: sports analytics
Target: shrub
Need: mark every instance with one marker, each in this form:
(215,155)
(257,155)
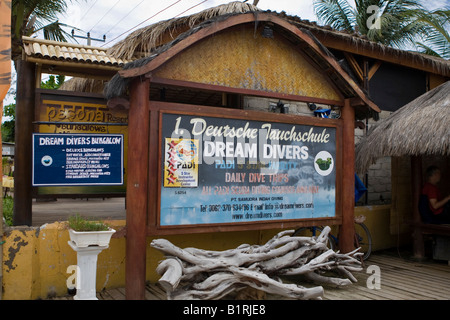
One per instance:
(8,210)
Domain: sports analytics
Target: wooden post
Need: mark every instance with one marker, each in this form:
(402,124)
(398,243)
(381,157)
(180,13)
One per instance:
(416,183)
(347,229)
(137,189)
(5,81)
(26,80)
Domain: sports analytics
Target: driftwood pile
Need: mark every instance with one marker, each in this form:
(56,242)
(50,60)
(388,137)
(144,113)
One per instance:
(192,273)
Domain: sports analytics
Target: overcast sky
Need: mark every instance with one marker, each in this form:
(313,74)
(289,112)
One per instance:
(113,18)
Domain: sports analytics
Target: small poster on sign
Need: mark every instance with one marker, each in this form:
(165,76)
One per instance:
(181,163)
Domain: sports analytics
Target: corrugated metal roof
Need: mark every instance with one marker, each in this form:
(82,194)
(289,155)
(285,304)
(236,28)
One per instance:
(69,52)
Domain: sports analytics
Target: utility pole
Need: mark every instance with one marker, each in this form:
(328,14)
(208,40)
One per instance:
(88,37)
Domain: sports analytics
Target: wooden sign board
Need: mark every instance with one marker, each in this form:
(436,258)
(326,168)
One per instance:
(226,169)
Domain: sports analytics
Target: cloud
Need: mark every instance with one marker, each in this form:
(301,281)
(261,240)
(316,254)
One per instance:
(116,17)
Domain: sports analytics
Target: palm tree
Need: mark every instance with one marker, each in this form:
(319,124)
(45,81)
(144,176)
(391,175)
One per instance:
(437,40)
(396,23)
(31,16)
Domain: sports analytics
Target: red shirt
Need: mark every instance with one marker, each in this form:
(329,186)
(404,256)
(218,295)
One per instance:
(432,192)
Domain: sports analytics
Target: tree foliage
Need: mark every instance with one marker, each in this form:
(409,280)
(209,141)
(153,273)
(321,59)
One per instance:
(8,126)
(403,24)
(53,82)
(31,16)
(9,111)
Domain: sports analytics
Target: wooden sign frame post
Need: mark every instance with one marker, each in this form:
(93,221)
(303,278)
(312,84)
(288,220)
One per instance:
(145,158)
(137,189)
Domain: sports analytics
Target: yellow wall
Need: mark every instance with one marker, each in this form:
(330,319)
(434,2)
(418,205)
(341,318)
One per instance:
(36,259)
(35,262)
(378,222)
(242,58)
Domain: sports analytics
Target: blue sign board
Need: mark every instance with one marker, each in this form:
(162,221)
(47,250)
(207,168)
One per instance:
(77,159)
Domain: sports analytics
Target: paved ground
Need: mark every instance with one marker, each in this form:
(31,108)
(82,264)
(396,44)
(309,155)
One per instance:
(61,209)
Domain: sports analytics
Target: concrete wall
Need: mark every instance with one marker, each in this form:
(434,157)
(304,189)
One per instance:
(35,259)
(378,178)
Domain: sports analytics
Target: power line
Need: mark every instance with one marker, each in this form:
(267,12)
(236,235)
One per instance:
(104,15)
(88,10)
(143,21)
(125,16)
(190,8)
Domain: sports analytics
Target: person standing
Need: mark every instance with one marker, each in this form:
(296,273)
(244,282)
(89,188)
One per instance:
(439,206)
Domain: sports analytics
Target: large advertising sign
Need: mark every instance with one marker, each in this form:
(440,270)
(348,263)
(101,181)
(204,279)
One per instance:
(77,159)
(219,171)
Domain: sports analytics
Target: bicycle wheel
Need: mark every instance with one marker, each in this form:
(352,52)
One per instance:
(363,239)
(314,232)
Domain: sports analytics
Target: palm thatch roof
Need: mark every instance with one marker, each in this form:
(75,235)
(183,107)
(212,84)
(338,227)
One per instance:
(315,51)
(421,127)
(143,42)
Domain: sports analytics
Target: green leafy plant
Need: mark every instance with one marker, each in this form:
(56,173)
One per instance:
(80,223)
(8,210)
(8,133)
(403,24)
(324,164)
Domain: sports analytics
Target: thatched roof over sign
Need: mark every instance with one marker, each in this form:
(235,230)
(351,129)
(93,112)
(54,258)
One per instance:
(421,127)
(298,37)
(143,42)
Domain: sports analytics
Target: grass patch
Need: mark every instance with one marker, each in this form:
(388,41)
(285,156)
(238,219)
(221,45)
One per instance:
(80,223)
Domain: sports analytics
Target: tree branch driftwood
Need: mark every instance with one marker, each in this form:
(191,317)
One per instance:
(193,273)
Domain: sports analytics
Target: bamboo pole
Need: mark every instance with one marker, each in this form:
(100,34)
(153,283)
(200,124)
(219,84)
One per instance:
(52,42)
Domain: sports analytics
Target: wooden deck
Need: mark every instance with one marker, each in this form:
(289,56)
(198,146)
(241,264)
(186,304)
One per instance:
(401,279)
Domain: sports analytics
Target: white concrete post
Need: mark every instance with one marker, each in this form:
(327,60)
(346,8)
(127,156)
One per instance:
(87,263)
